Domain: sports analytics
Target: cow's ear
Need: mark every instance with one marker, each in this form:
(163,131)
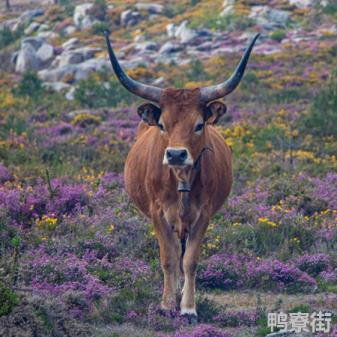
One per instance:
(214,111)
(149,113)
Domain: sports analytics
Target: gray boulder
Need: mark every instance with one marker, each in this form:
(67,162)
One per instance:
(185,34)
(58,74)
(33,27)
(169,47)
(45,53)
(71,43)
(86,68)
(269,18)
(27,59)
(70,57)
(302,3)
(171,29)
(48,35)
(35,42)
(69,30)
(81,18)
(78,71)
(56,86)
(146,46)
(228,8)
(77,55)
(129,18)
(28,16)
(152,8)
(11,24)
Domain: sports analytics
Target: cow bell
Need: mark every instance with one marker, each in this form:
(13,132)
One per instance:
(184,186)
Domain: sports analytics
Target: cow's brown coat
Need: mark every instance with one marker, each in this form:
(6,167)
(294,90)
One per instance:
(153,186)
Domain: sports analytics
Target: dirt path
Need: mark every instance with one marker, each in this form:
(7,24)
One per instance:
(247,300)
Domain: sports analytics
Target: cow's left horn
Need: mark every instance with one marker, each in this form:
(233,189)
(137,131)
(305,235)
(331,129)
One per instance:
(142,90)
(221,90)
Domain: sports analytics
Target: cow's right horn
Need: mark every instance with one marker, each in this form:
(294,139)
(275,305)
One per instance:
(214,92)
(142,90)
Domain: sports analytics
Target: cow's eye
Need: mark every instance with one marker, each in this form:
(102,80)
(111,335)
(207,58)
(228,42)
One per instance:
(161,127)
(199,127)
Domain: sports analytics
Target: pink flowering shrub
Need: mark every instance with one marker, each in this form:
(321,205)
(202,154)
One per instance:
(235,272)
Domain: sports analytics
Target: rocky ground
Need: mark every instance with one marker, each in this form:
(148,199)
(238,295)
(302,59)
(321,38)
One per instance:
(56,43)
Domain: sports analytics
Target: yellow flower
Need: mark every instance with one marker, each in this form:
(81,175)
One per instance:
(111,228)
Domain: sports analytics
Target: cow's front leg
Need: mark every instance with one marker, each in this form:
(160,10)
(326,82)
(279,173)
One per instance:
(190,261)
(170,252)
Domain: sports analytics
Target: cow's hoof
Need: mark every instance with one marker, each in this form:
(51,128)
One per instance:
(190,315)
(192,318)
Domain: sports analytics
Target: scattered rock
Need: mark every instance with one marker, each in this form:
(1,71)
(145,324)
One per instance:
(185,34)
(171,29)
(49,35)
(285,334)
(70,95)
(76,56)
(150,7)
(129,18)
(28,16)
(269,18)
(69,30)
(81,17)
(159,81)
(9,24)
(27,59)
(71,43)
(14,58)
(56,86)
(73,72)
(35,42)
(43,27)
(45,53)
(302,3)
(33,27)
(58,74)
(148,45)
(169,47)
(228,8)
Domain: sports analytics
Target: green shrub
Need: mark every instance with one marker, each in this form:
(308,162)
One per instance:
(29,86)
(322,118)
(330,9)
(8,300)
(100,28)
(98,10)
(300,308)
(278,35)
(197,71)
(92,93)
(7,36)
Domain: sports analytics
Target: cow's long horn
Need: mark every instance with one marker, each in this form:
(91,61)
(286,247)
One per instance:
(142,90)
(221,90)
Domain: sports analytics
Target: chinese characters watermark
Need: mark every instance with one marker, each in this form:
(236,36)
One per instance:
(300,322)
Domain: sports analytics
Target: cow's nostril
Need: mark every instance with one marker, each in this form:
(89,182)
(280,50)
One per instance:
(183,155)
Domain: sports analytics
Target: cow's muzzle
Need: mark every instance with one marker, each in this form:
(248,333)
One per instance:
(177,157)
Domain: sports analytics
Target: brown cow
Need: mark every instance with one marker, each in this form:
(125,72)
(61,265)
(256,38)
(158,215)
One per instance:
(179,171)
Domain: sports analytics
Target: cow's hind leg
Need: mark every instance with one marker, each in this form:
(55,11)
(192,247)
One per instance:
(170,251)
(190,260)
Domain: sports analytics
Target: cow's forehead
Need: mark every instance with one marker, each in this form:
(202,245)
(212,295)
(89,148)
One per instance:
(180,101)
